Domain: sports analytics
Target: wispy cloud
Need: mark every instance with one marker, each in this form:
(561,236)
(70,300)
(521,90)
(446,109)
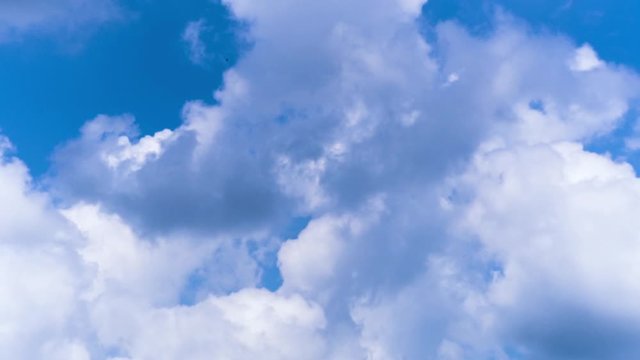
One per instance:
(192,36)
(38,17)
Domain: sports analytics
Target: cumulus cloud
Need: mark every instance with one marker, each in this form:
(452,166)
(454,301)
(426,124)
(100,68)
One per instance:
(449,222)
(559,221)
(41,272)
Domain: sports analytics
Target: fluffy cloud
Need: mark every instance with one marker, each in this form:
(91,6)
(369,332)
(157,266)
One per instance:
(586,59)
(454,212)
(559,221)
(245,325)
(40,271)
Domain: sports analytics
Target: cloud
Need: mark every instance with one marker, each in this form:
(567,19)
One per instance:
(586,59)
(40,270)
(448,222)
(559,221)
(248,324)
(192,36)
(191,187)
(19,18)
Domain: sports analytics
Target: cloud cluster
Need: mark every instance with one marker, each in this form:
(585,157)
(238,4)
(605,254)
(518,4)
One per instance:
(454,212)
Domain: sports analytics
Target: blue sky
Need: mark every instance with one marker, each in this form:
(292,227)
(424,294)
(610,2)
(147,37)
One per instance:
(139,61)
(302,179)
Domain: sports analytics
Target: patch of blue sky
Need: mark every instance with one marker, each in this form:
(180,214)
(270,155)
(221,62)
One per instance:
(138,65)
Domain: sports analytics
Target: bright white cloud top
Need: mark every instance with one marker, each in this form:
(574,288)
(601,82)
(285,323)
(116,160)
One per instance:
(455,213)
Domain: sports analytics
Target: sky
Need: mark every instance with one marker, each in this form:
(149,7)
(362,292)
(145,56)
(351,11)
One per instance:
(301,179)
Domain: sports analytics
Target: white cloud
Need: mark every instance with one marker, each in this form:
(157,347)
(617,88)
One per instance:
(19,18)
(323,241)
(192,36)
(412,7)
(586,59)
(40,273)
(135,155)
(451,79)
(560,221)
(126,265)
(245,325)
